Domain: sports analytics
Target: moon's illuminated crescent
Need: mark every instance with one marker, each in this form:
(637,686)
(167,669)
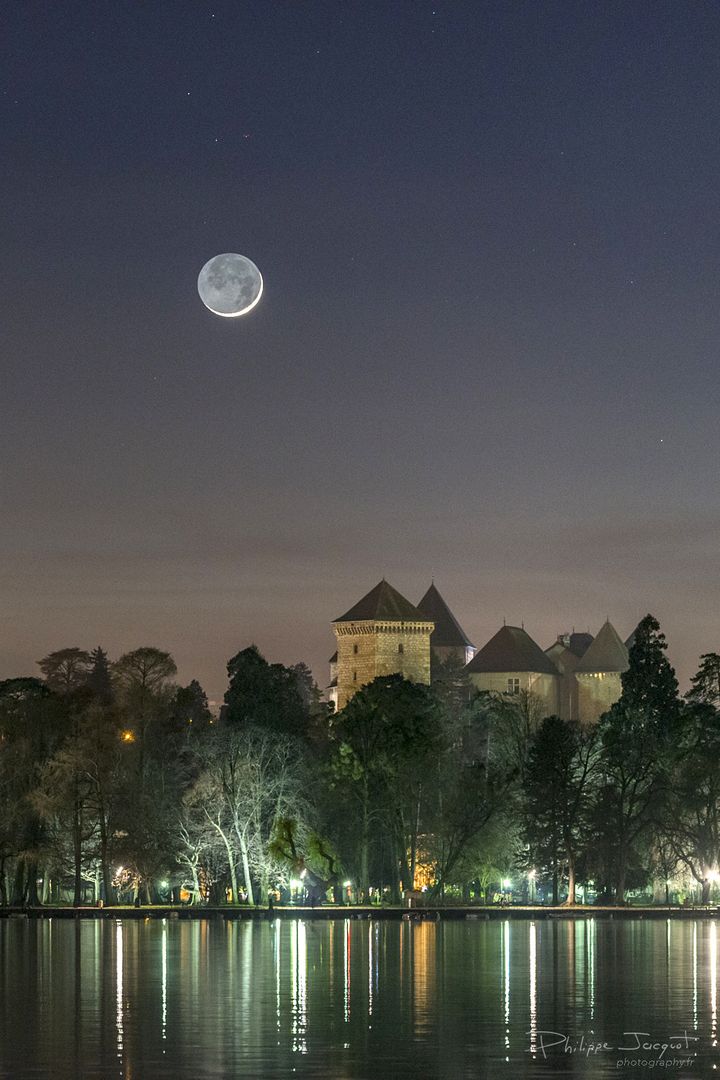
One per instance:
(230,285)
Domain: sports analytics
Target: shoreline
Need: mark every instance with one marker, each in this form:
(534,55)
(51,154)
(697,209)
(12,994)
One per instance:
(329,913)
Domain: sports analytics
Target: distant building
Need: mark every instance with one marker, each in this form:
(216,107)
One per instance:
(510,662)
(448,638)
(578,677)
(383,634)
(599,673)
(566,653)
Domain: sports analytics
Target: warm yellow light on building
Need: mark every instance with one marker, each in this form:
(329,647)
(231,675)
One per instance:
(128,736)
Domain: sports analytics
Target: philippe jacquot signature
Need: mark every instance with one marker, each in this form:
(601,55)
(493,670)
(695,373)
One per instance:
(631,1042)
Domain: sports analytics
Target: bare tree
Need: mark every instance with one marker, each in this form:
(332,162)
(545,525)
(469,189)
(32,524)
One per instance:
(251,780)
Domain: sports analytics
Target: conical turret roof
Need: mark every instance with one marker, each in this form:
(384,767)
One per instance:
(383,602)
(448,631)
(512,649)
(607,653)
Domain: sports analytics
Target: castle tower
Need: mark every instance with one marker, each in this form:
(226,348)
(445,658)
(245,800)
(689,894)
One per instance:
(510,662)
(599,674)
(566,653)
(448,638)
(383,634)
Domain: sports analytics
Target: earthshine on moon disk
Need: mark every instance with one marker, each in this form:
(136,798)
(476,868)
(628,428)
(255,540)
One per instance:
(230,285)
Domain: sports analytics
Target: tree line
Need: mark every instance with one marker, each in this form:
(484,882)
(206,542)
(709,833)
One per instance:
(116,784)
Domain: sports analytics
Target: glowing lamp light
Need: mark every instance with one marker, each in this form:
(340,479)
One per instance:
(128,736)
(347,884)
(532,874)
(713,875)
(295,884)
(163,884)
(506,883)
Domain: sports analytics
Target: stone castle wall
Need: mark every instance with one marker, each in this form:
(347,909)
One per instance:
(597,691)
(544,686)
(369,649)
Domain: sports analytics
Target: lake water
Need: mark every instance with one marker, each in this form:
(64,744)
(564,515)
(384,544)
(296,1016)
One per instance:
(356,999)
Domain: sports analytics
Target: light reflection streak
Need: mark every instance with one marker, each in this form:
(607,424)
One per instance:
(299,987)
(277,972)
(371,930)
(347,971)
(119,986)
(713,982)
(533,989)
(506,977)
(164,979)
(591,928)
(695,978)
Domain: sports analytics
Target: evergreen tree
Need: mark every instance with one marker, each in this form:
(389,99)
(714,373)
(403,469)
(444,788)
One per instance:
(191,707)
(706,684)
(268,695)
(98,679)
(649,686)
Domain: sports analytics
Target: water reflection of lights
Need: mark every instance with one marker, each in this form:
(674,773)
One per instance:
(276,941)
(423,944)
(164,979)
(713,983)
(347,971)
(506,978)
(119,985)
(533,989)
(299,987)
(695,977)
(591,931)
(371,930)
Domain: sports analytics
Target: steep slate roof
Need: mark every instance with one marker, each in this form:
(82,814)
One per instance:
(577,644)
(607,653)
(447,629)
(383,602)
(512,649)
(580,643)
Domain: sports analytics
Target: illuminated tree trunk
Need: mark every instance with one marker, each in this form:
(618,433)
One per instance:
(230,854)
(571,880)
(32,893)
(246,871)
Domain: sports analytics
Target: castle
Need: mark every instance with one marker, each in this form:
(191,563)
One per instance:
(578,677)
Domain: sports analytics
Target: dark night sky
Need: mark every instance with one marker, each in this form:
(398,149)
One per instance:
(487,348)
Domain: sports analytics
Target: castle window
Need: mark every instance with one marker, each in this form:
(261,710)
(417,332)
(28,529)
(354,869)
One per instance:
(513,686)
(355,649)
(401,648)
(354,676)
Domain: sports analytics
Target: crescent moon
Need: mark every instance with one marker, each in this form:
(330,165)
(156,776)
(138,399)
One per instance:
(230,285)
